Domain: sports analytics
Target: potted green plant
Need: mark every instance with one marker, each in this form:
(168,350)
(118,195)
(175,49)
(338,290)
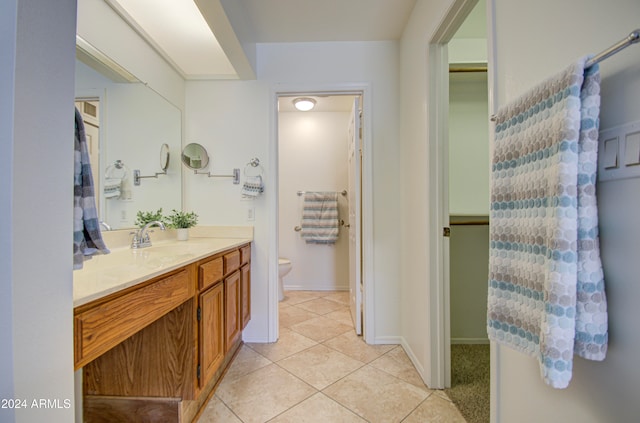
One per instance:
(143,217)
(182,221)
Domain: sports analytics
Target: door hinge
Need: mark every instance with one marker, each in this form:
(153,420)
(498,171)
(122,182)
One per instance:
(446,232)
(199,314)
(198,372)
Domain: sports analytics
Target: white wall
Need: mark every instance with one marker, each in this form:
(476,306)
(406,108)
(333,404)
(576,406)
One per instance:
(8,46)
(375,63)
(468,144)
(312,149)
(469,44)
(469,255)
(36,134)
(236,120)
(533,41)
(231,120)
(468,50)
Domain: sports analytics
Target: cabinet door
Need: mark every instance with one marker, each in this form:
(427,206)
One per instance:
(211,332)
(246,294)
(210,272)
(233,309)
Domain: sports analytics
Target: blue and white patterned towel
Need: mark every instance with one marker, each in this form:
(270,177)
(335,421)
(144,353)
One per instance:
(546,285)
(253,187)
(87,238)
(320,218)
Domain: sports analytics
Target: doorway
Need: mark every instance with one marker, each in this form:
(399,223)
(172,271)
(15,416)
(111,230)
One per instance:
(469,239)
(313,157)
(444,49)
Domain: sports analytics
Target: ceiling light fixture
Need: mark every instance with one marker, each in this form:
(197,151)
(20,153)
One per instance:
(304,104)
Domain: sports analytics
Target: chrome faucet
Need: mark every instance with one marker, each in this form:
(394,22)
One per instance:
(141,238)
(105,225)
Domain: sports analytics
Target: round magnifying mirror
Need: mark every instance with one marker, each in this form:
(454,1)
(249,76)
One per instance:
(164,157)
(194,156)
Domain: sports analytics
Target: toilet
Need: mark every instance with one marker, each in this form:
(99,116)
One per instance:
(284,267)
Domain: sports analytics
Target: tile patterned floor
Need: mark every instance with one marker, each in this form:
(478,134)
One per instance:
(319,371)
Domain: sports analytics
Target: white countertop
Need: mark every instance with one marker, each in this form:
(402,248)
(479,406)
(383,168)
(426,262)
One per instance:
(125,267)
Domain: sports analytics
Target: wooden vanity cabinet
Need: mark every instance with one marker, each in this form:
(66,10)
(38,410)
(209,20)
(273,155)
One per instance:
(233,309)
(211,332)
(156,351)
(245,282)
(109,321)
(220,311)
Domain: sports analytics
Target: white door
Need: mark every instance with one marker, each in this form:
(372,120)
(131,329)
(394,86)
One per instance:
(354,225)
(89,111)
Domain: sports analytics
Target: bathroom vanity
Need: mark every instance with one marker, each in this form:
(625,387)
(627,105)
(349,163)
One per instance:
(154,329)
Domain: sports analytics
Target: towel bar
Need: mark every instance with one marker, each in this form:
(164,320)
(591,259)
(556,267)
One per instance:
(343,193)
(299,228)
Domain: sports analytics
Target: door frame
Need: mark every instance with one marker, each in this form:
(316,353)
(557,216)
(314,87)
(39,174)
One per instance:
(99,95)
(438,145)
(354,211)
(368,282)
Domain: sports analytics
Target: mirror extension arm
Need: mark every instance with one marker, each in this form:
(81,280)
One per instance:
(235,176)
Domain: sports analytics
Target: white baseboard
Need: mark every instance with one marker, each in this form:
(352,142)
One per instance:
(416,363)
(386,340)
(316,287)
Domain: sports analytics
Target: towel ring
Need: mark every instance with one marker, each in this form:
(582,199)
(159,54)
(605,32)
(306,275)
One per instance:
(255,163)
(116,170)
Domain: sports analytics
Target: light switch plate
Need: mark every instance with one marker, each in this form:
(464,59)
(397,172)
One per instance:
(632,151)
(619,152)
(609,154)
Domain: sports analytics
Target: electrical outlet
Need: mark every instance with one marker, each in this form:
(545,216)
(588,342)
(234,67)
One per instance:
(123,215)
(251,214)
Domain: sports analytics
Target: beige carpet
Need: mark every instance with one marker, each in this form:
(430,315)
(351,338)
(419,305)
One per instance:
(470,381)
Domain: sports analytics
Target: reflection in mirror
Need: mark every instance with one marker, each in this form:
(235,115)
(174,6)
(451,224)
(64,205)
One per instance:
(131,119)
(89,110)
(195,156)
(164,163)
(164,157)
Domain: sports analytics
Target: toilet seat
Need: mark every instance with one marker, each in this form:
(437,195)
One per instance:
(284,267)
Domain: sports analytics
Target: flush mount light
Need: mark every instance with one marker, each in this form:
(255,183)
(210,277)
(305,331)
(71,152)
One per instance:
(304,104)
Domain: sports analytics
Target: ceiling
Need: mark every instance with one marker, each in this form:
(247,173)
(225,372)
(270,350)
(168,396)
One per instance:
(269,21)
(209,48)
(288,21)
(188,44)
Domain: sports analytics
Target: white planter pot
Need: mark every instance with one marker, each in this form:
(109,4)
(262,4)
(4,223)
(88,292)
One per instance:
(183,234)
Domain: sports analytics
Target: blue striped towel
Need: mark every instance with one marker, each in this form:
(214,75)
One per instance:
(253,187)
(320,218)
(87,238)
(546,285)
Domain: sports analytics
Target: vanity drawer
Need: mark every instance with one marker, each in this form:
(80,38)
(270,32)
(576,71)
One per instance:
(210,272)
(245,254)
(231,261)
(100,328)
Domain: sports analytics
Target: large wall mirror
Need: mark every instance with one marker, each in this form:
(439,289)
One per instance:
(128,124)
